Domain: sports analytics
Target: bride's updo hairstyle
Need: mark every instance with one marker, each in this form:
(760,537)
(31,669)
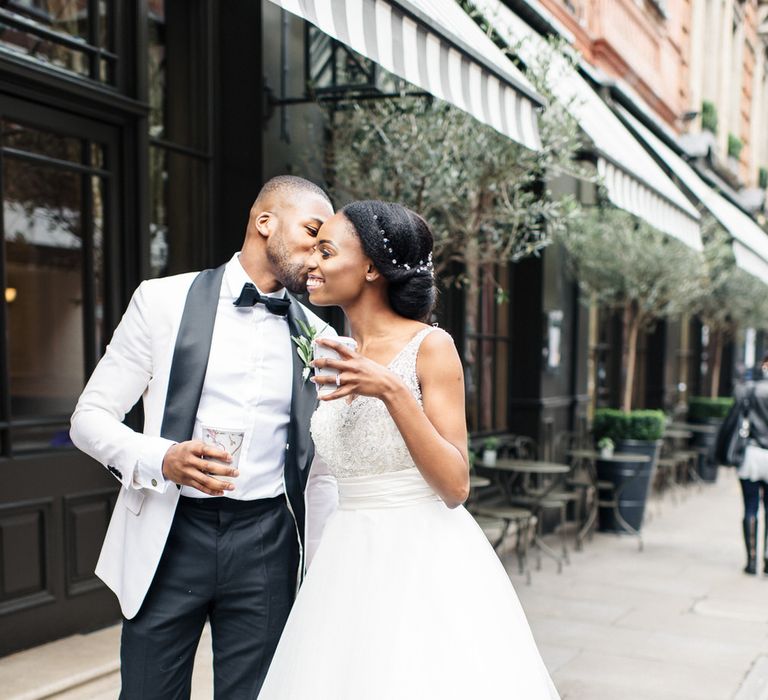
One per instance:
(399,243)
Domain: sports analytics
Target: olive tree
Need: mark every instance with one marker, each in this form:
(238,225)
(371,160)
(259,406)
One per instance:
(623,263)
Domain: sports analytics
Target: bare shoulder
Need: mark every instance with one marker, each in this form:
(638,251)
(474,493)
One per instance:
(438,357)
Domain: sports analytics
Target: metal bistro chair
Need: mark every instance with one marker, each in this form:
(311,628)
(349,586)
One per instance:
(582,480)
(578,489)
(541,500)
(489,507)
(523,521)
(667,472)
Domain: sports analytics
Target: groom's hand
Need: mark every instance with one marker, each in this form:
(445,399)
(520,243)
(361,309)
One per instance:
(184,464)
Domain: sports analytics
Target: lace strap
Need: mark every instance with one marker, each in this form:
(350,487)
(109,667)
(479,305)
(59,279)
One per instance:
(406,359)
(418,339)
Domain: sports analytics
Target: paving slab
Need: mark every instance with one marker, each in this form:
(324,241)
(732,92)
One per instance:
(678,620)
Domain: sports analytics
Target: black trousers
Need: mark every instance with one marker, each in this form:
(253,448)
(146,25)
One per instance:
(752,491)
(233,562)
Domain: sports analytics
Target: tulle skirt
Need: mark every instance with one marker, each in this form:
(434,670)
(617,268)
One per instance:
(405,599)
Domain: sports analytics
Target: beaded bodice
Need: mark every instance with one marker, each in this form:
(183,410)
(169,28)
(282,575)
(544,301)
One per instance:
(360,438)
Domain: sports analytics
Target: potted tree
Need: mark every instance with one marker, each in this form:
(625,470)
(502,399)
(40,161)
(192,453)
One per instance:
(634,433)
(708,412)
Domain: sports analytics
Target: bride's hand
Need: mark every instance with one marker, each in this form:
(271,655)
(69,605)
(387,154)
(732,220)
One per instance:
(358,375)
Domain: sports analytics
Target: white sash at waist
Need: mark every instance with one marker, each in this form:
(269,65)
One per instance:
(390,490)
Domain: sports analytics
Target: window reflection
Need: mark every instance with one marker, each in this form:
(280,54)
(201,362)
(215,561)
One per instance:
(178,205)
(64,33)
(179,160)
(43,242)
(53,223)
(487,353)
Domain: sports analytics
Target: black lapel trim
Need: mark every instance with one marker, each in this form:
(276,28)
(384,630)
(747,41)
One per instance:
(303,402)
(190,355)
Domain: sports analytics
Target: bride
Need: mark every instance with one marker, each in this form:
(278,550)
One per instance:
(405,598)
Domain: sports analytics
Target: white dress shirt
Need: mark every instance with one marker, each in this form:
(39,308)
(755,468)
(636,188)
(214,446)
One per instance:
(248,387)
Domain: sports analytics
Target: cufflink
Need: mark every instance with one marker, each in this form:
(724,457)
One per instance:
(154,483)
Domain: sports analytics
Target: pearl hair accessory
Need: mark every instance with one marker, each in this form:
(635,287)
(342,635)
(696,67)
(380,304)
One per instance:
(427,266)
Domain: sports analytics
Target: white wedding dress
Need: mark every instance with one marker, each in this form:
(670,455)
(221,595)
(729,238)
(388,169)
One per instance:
(405,598)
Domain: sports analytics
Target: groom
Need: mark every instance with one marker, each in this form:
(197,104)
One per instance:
(184,544)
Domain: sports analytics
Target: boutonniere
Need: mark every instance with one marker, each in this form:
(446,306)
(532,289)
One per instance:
(304,345)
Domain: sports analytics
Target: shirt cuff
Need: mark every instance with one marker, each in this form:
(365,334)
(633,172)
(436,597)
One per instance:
(148,471)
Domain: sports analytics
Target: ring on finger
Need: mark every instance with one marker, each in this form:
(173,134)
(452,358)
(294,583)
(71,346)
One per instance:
(338,379)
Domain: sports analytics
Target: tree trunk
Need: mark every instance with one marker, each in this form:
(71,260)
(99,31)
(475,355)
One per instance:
(631,334)
(716,364)
(594,338)
(472,280)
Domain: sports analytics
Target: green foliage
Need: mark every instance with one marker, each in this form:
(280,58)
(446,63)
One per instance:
(620,260)
(701,408)
(605,443)
(609,423)
(635,425)
(734,146)
(709,116)
(727,296)
(719,301)
(490,443)
(762,178)
(304,347)
(646,425)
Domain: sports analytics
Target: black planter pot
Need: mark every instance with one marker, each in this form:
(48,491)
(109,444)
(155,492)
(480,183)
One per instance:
(633,480)
(704,443)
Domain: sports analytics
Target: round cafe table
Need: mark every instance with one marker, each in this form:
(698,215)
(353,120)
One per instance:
(615,457)
(704,428)
(678,434)
(531,466)
(478,482)
(513,473)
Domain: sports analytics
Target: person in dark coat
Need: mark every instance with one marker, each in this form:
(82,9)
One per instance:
(753,471)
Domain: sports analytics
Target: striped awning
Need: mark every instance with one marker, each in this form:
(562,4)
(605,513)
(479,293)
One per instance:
(436,46)
(750,242)
(633,180)
(662,205)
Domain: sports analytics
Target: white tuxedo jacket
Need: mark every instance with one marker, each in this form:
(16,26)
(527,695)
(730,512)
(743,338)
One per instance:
(137,364)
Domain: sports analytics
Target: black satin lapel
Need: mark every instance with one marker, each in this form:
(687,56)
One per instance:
(303,395)
(190,355)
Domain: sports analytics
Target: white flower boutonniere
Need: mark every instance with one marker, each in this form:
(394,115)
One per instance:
(304,345)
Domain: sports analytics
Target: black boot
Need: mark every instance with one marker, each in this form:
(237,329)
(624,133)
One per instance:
(765,545)
(750,540)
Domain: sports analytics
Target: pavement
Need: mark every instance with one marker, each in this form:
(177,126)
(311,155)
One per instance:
(677,621)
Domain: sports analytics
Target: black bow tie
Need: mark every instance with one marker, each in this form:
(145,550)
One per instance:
(250,297)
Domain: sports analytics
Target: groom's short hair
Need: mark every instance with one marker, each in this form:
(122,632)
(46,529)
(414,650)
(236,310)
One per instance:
(289,185)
